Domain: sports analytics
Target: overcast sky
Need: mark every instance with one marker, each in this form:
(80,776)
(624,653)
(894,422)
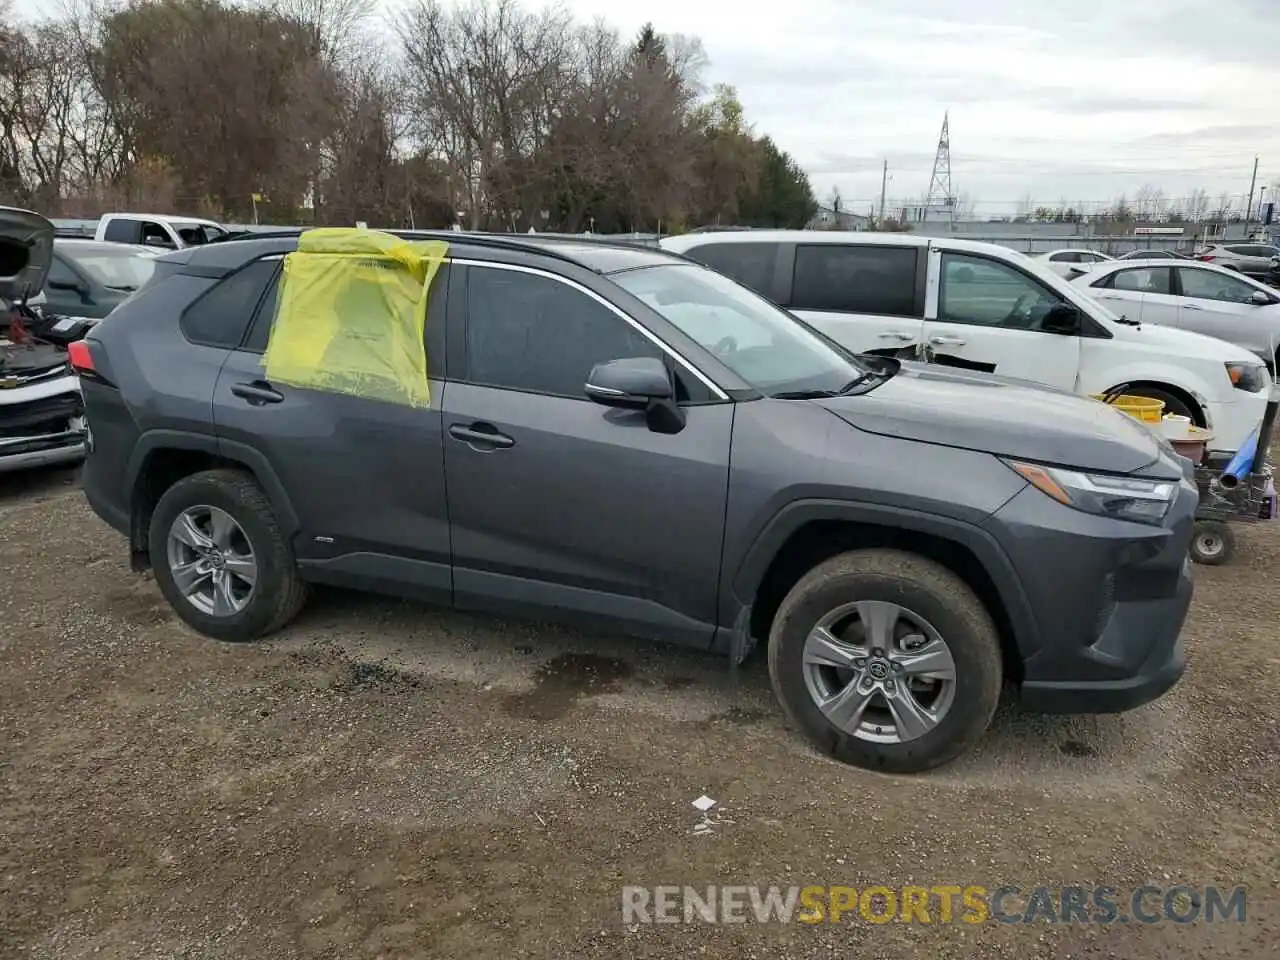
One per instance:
(1074,101)
(1080,101)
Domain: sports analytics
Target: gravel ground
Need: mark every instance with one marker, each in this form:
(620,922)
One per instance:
(390,780)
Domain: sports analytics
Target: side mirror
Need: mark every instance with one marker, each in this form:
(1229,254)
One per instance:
(161,242)
(1260,299)
(633,383)
(1063,319)
(72,285)
(642,384)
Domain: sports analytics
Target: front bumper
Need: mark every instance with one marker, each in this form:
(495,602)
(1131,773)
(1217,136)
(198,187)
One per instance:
(1110,599)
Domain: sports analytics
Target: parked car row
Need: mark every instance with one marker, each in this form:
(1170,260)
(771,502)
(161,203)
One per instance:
(982,307)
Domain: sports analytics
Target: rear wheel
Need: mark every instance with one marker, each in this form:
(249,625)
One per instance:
(886,660)
(220,558)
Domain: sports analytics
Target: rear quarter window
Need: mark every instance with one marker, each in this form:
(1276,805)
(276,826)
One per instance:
(221,316)
(123,230)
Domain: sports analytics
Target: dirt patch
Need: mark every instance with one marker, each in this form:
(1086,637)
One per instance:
(390,780)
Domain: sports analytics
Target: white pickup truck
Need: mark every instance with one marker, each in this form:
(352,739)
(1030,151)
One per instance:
(157,230)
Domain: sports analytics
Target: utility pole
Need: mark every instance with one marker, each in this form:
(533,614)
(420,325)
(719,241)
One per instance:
(884,181)
(1248,207)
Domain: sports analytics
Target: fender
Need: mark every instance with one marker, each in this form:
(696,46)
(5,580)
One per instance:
(1146,371)
(790,518)
(155,440)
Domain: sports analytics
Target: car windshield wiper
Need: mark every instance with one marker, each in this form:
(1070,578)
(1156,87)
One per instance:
(824,394)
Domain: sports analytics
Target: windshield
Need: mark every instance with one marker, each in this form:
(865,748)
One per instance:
(758,341)
(120,270)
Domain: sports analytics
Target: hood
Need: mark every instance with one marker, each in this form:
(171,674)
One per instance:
(1182,343)
(26,250)
(1000,415)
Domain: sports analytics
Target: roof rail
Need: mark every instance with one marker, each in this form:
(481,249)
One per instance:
(498,241)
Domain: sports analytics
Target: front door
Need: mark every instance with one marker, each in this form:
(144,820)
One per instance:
(365,477)
(561,507)
(985,314)
(1219,305)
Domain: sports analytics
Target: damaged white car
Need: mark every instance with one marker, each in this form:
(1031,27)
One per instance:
(41,413)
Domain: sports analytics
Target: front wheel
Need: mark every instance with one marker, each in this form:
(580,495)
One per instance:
(1172,404)
(886,660)
(220,558)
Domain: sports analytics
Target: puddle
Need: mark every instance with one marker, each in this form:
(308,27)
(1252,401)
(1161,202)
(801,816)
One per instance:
(562,681)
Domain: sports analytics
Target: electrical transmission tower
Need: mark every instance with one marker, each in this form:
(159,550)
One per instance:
(940,196)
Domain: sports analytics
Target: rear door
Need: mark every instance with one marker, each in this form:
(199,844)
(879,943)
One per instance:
(869,298)
(561,507)
(365,477)
(1141,293)
(985,314)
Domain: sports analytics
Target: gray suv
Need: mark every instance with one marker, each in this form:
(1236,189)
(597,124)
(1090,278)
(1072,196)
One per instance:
(622,437)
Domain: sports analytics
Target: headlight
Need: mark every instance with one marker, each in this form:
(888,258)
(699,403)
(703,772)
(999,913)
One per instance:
(1248,376)
(1124,498)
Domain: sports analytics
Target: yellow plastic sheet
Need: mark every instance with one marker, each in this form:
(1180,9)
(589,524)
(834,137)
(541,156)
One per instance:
(351,315)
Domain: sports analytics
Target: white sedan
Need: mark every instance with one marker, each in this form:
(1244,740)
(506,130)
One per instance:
(1072,263)
(1194,296)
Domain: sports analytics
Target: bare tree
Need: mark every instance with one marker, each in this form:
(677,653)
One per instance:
(1148,202)
(1197,205)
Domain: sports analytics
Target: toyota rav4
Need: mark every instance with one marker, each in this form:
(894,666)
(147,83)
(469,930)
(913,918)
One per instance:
(620,436)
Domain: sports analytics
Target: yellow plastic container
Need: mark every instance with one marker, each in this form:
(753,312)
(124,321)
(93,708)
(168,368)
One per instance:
(1143,409)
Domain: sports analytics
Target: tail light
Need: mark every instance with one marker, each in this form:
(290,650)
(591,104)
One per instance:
(1206,257)
(80,357)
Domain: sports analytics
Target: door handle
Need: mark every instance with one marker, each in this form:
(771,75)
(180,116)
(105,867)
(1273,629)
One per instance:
(947,341)
(257,393)
(1191,306)
(1110,296)
(896,335)
(481,434)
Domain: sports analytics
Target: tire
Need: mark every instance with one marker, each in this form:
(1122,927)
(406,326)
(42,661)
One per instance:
(1212,542)
(1171,403)
(926,592)
(277,592)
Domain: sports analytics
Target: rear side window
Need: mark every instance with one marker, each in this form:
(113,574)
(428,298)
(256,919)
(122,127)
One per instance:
(879,280)
(751,264)
(221,316)
(123,231)
(1071,257)
(1143,280)
(260,332)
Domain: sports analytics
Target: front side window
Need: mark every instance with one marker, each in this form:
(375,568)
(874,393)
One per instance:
(1211,285)
(989,293)
(1143,280)
(1068,257)
(538,335)
(759,342)
(751,264)
(856,279)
